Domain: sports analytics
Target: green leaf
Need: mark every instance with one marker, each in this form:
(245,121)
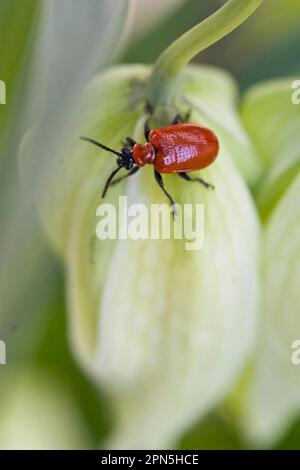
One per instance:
(17,25)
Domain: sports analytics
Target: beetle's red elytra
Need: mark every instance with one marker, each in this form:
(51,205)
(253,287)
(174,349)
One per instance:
(181,148)
(178,148)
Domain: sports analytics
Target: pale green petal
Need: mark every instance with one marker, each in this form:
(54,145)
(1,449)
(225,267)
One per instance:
(273,122)
(269,398)
(92,30)
(213,92)
(273,399)
(178,343)
(165,330)
(37,412)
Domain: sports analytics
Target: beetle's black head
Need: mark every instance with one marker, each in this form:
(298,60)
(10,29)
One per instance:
(125,159)
(125,156)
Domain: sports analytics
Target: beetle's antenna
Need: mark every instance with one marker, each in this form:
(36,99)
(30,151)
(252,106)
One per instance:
(108,149)
(109,180)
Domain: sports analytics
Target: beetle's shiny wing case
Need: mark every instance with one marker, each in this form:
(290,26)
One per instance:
(183,148)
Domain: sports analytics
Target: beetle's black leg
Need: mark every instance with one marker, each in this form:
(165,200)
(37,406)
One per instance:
(178,118)
(186,177)
(131,142)
(160,182)
(149,111)
(109,179)
(147,129)
(149,108)
(134,170)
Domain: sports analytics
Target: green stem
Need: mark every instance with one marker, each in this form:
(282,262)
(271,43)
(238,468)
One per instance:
(172,61)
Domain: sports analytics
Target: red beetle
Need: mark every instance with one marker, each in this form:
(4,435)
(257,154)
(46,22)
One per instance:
(178,148)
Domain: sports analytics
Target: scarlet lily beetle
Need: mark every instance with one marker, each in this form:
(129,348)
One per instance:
(178,148)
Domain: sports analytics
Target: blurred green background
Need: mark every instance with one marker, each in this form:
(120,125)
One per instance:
(41,386)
